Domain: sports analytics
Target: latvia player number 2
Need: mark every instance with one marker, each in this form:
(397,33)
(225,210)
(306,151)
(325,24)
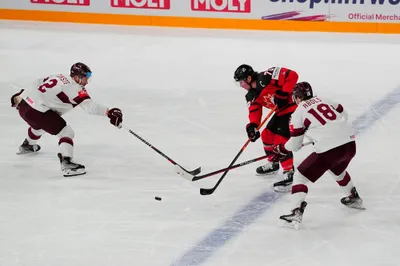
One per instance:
(324,110)
(48,84)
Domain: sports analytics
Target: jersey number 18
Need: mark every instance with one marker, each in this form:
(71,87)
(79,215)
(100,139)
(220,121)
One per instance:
(324,110)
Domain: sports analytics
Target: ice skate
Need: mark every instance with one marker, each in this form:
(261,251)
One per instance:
(270,168)
(353,201)
(69,168)
(294,219)
(26,148)
(286,184)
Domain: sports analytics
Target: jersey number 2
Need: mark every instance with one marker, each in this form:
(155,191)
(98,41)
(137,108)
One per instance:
(324,110)
(48,84)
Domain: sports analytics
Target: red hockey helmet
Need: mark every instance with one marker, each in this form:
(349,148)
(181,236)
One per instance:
(303,91)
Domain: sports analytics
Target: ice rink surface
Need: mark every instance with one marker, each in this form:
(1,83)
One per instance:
(176,90)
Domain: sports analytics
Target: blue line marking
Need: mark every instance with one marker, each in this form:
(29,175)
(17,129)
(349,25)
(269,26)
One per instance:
(261,203)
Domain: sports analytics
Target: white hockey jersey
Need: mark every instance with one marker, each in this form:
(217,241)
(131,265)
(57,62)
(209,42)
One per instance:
(61,94)
(322,122)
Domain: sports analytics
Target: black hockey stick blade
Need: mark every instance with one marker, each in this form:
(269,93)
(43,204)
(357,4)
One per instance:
(193,172)
(185,173)
(206,191)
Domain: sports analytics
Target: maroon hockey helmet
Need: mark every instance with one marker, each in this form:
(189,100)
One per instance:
(303,91)
(81,70)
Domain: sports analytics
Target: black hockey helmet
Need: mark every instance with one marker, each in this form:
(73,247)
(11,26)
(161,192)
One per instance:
(302,90)
(242,72)
(81,70)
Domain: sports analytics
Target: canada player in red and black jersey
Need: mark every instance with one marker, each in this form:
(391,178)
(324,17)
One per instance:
(271,88)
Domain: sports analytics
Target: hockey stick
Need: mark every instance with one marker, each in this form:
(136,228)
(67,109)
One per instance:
(193,172)
(208,191)
(198,177)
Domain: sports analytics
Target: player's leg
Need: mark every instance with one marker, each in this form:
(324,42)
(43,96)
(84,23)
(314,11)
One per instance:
(310,170)
(31,116)
(281,136)
(342,156)
(30,143)
(56,125)
(267,137)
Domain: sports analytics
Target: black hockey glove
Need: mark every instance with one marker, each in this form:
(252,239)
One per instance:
(252,132)
(115,116)
(281,99)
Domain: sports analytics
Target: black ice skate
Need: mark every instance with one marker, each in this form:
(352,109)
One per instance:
(26,148)
(286,184)
(353,201)
(270,168)
(294,219)
(69,168)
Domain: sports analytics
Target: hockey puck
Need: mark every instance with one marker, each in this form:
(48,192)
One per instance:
(158,198)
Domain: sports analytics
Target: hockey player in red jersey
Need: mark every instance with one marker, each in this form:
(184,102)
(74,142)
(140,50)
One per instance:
(42,107)
(325,124)
(270,89)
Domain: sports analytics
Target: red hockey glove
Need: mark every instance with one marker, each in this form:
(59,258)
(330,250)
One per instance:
(252,132)
(115,116)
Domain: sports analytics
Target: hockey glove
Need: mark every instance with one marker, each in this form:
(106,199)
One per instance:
(281,99)
(252,132)
(115,116)
(14,101)
(279,151)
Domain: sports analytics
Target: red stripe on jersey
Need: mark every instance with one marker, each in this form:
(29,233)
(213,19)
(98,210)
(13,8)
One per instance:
(64,98)
(80,99)
(297,132)
(339,109)
(307,123)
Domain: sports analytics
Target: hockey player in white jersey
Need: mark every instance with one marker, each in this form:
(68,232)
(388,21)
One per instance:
(43,104)
(325,124)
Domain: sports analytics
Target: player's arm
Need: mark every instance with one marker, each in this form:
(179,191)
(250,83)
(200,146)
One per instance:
(285,79)
(93,108)
(90,107)
(255,113)
(297,131)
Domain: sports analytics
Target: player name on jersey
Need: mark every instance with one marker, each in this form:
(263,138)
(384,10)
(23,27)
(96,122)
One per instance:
(63,2)
(310,102)
(242,6)
(153,4)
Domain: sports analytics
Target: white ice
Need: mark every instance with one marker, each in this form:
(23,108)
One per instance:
(176,90)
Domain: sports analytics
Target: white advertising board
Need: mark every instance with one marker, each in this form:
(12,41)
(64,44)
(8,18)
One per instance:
(303,10)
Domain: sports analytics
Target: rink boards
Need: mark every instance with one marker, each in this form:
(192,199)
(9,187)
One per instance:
(359,16)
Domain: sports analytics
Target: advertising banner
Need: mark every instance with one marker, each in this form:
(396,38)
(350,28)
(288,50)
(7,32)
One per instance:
(383,11)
